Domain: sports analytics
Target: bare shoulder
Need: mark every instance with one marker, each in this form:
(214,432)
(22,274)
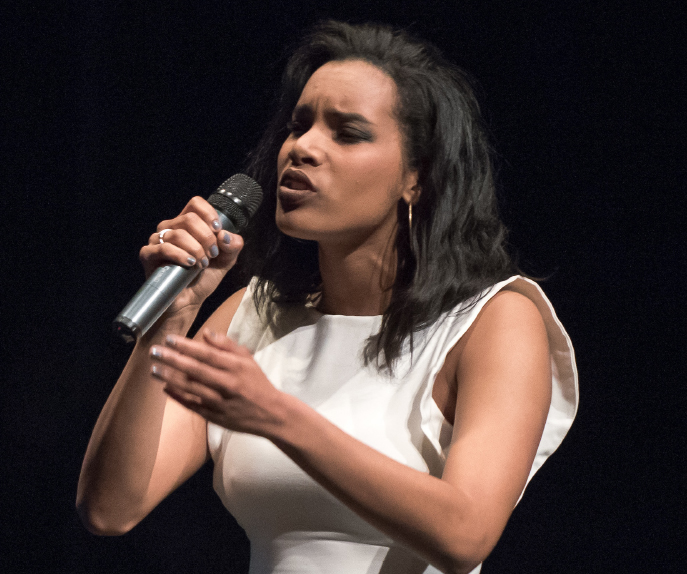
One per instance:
(507,305)
(509,320)
(506,351)
(507,343)
(220,320)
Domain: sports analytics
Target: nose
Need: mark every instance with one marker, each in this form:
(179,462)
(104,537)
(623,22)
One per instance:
(306,148)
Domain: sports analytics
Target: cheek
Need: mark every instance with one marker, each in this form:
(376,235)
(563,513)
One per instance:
(381,174)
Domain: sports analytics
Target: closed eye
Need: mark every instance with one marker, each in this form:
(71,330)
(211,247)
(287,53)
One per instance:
(353,135)
(346,128)
(350,127)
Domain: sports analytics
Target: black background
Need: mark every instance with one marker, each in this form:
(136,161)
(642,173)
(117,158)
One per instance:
(116,113)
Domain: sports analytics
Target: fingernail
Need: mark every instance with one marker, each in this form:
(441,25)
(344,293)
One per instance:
(211,334)
(214,252)
(227,237)
(155,352)
(205,262)
(191,260)
(155,371)
(170,340)
(216,225)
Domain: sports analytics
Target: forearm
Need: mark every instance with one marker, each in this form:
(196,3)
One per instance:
(427,514)
(453,521)
(121,454)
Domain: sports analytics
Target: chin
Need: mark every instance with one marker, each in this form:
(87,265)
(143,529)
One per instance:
(286,224)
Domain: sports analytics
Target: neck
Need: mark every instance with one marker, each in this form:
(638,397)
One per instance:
(356,281)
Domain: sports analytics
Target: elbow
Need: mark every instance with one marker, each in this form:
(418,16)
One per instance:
(100,521)
(463,553)
(462,563)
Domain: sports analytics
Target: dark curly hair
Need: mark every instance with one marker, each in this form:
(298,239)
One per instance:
(456,248)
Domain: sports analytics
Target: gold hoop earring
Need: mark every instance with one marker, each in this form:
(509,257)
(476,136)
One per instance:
(410,216)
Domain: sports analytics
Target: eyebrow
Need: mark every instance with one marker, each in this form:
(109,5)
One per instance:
(344,117)
(341,117)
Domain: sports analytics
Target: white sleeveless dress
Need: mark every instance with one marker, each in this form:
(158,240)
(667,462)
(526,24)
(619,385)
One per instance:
(294,525)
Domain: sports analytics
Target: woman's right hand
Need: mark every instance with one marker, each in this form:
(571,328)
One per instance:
(145,444)
(194,239)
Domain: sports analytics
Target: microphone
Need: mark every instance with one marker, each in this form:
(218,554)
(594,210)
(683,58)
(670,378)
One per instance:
(235,202)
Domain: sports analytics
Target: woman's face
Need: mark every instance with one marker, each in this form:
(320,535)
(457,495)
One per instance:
(341,170)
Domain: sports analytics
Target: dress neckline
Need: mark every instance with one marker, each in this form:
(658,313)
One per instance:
(310,305)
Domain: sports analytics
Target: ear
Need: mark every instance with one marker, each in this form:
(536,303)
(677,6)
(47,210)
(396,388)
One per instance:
(411,194)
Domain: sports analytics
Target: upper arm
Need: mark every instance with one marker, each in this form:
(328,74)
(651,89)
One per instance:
(183,437)
(503,393)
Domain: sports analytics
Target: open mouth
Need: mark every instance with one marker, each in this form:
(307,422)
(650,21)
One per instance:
(296,181)
(294,188)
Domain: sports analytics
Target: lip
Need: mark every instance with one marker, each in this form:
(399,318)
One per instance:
(298,177)
(289,197)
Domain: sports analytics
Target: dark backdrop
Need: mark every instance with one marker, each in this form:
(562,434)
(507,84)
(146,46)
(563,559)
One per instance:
(116,113)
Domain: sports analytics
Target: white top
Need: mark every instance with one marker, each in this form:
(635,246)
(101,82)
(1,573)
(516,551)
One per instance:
(296,526)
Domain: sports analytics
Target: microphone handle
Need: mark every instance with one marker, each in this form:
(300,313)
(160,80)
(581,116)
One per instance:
(157,294)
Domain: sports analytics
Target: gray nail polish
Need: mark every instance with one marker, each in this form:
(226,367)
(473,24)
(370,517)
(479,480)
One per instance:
(155,352)
(214,252)
(205,262)
(227,238)
(191,260)
(216,225)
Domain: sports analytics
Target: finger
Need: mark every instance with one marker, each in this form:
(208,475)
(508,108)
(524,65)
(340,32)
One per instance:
(229,243)
(199,229)
(192,405)
(183,239)
(191,402)
(190,391)
(206,212)
(153,255)
(228,250)
(224,343)
(195,371)
(220,358)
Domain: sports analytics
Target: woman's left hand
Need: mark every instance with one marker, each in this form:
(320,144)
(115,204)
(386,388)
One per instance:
(219,380)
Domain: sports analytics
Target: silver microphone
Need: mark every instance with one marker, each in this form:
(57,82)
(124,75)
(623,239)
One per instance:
(235,202)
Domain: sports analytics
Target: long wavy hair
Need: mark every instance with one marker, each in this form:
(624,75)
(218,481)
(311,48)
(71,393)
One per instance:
(456,247)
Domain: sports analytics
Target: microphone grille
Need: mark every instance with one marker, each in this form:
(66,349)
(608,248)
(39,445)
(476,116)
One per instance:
(238,198)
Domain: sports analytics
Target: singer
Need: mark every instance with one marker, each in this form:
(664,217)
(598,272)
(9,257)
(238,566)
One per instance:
(378,396)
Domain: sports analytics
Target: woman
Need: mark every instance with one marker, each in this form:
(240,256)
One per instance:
(387,385)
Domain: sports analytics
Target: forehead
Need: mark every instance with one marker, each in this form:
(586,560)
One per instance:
(351,86)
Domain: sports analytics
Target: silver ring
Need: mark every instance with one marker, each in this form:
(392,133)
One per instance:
(161,235)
